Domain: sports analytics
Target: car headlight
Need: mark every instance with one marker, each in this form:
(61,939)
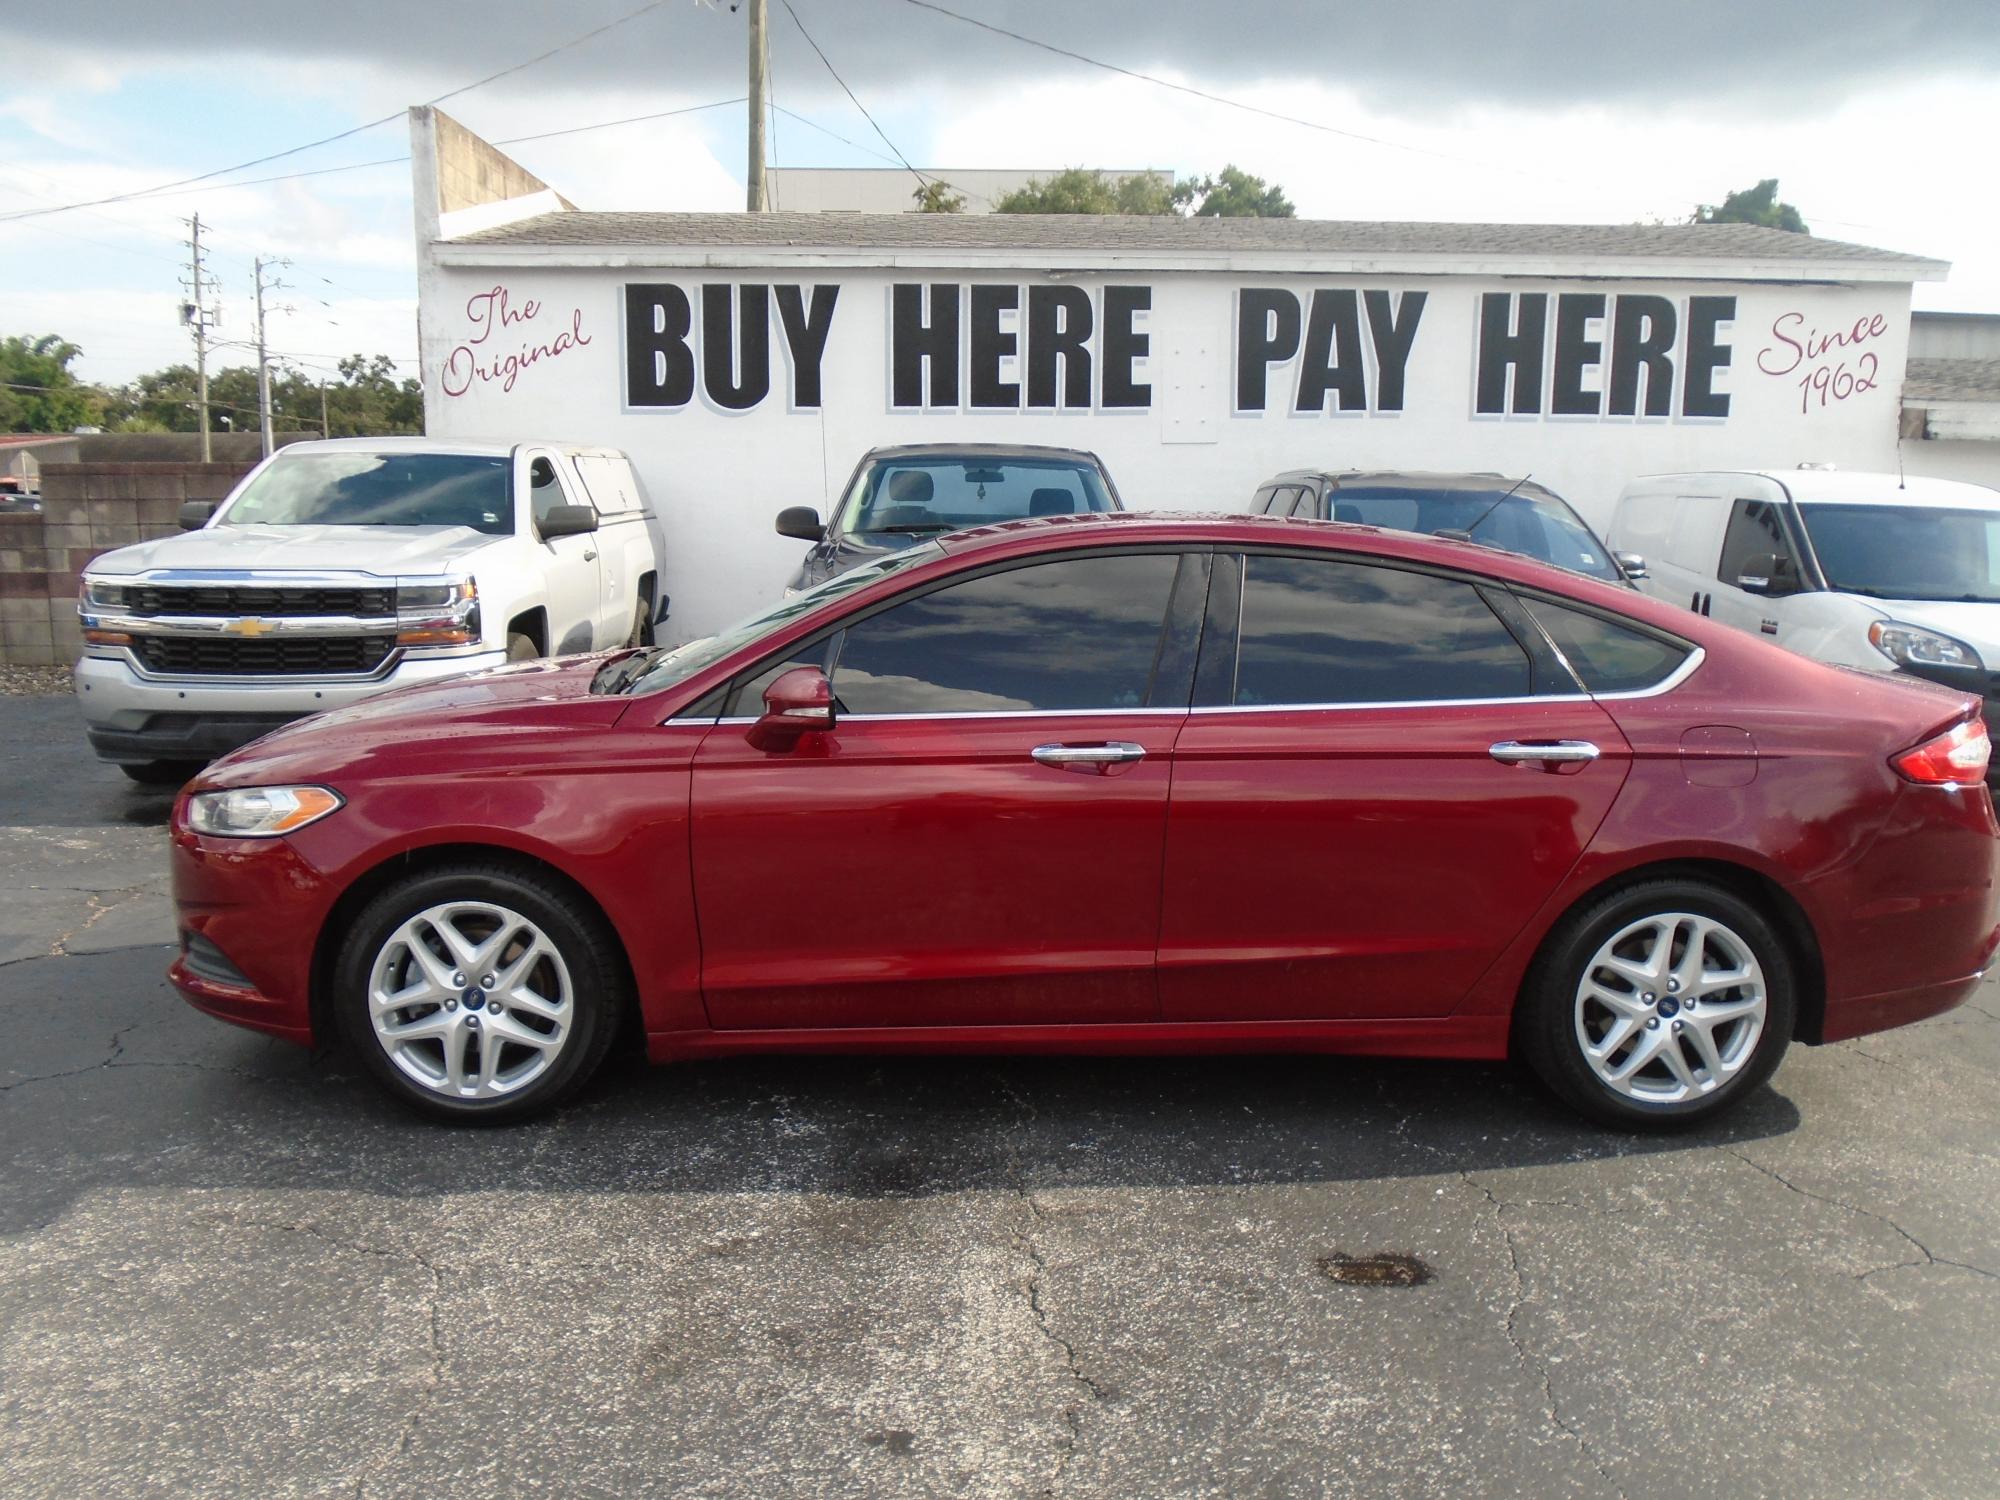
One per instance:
(98,594)
(1914,646)
(259,812)
(437,614)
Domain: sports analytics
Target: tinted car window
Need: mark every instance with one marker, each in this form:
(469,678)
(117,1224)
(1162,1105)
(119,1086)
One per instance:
(945,494)
(379,489)
(1755,531)
(1079,634)
(1526,520)
(1608,658)
(1321,631)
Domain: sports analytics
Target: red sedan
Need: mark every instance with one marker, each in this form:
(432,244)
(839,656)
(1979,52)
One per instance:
(1117,783)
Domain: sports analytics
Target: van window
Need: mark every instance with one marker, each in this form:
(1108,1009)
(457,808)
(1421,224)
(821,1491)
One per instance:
(1756,529)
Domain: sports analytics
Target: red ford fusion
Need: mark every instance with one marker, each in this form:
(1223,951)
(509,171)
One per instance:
(1124,784)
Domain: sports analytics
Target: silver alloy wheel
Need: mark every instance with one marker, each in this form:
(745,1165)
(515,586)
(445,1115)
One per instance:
(470,1000)
(1670,1008)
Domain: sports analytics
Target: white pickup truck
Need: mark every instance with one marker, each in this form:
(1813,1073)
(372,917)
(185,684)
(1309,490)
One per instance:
(340,569)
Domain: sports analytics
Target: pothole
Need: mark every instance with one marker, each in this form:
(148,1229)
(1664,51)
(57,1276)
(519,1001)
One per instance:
(1387,1269)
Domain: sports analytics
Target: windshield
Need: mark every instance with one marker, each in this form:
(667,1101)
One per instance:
(662,668)
(1915,552)
(1533,525)
(379,489)
(934,493)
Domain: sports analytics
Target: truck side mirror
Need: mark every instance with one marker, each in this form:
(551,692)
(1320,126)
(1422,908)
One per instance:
(797,703)
(800,521)
(195,514)
(567,520)
(1631,564)
(1768,574)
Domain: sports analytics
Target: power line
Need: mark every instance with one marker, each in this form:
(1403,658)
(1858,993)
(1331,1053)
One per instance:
(344,134)
(922,181)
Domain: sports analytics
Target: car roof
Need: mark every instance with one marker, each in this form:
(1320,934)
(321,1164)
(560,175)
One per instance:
(1856,487)
(983,450)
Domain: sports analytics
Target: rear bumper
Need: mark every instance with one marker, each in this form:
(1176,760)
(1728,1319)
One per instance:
(131,717)
(1858,1017)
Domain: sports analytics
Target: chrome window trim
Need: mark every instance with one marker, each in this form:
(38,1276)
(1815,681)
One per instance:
(1297,708)
(1695,657)
(984,713)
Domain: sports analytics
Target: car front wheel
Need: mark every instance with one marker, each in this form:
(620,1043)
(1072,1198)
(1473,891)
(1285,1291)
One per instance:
(479,992)
(1659,1006)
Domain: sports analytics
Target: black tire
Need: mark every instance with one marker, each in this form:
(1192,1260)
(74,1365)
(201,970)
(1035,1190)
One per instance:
(1547,1022)
(589,952)
(522,647)
(174,773)
(642,623)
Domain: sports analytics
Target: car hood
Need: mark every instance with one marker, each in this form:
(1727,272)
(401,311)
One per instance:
(533,698)
(1978,625)
(382,551)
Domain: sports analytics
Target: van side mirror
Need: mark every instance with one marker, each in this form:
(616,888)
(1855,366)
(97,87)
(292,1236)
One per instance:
(1631,564)
(566,520)
(800,521)
(1767,574)
(196,514)
(797,703)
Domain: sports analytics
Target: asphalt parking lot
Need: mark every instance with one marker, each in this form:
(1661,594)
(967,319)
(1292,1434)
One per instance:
(227,1267)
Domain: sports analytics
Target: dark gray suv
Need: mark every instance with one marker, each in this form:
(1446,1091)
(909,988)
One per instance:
(901,496)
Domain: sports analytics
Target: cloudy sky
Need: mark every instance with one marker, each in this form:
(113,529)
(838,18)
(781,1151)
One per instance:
(1877,118)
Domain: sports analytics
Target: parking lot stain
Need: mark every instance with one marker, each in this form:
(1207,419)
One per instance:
(1387,1269)
(897,1440)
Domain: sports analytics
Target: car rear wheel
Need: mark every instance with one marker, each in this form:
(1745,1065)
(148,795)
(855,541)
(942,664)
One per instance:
(479,992)
(1659,1006)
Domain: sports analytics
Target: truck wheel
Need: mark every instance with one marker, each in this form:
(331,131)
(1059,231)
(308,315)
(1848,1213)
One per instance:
(521,648)
(642,623)
(163,772)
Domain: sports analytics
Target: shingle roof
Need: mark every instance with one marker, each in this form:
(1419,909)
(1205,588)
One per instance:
(1089,232)
(1952,380)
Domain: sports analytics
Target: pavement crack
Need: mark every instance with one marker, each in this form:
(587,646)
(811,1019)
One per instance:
(117,1049)
(1930,1258)
(97,909)
(1088,1390)
(1528,1359)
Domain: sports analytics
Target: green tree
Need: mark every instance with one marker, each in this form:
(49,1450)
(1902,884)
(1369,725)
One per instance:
(363,399)
(1232,193)
(936,197)
(37,391)
(1235,194)
(1753,205)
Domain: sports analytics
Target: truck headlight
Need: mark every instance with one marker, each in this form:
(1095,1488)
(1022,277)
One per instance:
(99,594)
(258,812)
(1913,646)
(437,614)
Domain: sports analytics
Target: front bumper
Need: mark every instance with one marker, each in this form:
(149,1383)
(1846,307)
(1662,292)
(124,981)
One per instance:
(133,717)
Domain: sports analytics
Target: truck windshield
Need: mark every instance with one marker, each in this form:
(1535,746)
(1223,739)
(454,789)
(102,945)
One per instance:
(936,493)
(662,668)
(379,489)
(1921,553)
(1533,525)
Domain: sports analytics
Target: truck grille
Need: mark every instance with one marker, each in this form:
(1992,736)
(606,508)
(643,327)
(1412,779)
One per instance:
(185,599)
(301,656)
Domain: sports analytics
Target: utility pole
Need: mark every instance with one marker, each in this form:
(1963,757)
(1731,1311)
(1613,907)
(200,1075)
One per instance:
(263,355)
(324,430)
(195,314)
(760,83)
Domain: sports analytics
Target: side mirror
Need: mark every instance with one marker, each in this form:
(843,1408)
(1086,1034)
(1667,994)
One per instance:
(797,703)
(1631,564)
(196,514)
(802,522)
(1767,574)
(567,520)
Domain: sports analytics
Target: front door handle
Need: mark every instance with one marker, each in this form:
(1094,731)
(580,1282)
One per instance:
(1117,752)
(1514,753)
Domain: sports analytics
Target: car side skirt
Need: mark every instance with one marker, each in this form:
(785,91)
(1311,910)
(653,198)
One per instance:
(1475,1038)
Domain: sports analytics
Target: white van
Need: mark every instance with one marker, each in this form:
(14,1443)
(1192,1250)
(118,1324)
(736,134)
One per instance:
(1866,570)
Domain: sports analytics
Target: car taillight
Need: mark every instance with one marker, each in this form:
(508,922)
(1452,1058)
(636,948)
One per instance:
(1955,758)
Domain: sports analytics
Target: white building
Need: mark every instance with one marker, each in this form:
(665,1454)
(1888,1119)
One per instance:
(747,361)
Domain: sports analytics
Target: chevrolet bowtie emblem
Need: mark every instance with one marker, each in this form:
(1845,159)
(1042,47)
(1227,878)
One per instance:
(251,627)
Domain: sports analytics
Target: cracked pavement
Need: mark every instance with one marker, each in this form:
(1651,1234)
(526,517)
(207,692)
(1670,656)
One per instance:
(227,1267)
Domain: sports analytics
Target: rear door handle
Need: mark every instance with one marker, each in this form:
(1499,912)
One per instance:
(1117,752)
(1514,753)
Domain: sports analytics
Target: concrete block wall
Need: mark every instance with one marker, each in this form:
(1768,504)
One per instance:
(87,509)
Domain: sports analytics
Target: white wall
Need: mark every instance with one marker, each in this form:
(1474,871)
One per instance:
(1978,463)
(719,477)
